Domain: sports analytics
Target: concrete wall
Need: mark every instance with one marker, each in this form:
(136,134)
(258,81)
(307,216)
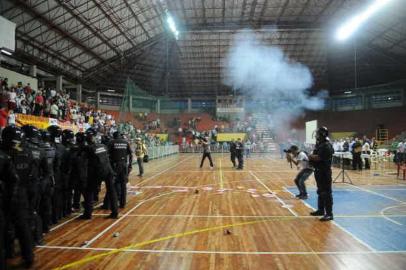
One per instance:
(14,78)
(362,122)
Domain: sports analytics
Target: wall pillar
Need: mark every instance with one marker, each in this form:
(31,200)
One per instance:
(158,106)
(59,83)
(33,70)
(79,93)
(189,105)
(97,99)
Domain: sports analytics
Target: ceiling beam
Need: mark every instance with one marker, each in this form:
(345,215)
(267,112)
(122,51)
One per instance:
(87,26)
(22,4)
(125,35)
(285,5)
(136,18)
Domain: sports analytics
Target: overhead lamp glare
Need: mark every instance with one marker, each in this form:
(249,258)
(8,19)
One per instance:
(352,25)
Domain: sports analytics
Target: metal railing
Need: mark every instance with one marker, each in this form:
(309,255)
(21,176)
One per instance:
(160,151)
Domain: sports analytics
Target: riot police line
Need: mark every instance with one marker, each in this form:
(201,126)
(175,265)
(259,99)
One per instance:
(44,174)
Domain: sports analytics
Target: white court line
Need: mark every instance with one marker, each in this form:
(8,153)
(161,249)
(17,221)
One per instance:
(234,252)
(342,228)
(135,207)
(259,217)
(69,220)
(388,218)
(376,193)
(161,172)
(276,196)
(123,216)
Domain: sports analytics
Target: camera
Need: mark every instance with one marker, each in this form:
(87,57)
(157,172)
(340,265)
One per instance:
(288,151)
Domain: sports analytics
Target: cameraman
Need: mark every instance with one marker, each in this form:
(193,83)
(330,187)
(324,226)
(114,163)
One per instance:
(300,159)
(321,160)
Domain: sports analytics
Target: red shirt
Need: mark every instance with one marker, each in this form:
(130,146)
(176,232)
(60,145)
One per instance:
(3,118)
(39,100)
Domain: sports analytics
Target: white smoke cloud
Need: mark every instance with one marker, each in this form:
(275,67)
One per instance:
(266,74)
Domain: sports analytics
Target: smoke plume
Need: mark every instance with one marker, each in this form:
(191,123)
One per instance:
(271,79)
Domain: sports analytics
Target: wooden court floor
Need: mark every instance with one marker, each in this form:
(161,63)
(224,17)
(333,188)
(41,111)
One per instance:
(181,217)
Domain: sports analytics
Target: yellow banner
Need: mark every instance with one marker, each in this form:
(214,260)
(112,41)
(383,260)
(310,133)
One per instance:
(341,135)
(42,122)
(227,137)
(162,137)
(36,121)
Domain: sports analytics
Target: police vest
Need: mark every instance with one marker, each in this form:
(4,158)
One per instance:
(118,150)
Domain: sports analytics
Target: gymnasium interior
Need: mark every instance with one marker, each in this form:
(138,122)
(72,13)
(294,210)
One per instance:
(188,78)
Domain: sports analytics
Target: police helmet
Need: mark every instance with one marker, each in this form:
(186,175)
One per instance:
(116,134)
(45,135)
(54,131)
(30,132)
(90,135)
(80,137)
(322,133)
(67,136)
(12,135)
(105,139)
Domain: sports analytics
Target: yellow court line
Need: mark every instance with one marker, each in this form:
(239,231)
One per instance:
(173,236)
(221,176)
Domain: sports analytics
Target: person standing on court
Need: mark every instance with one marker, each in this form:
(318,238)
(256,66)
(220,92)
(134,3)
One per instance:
(233,152)
(239,151)
(121,159)
(321,160)
(98,169)
(140,152)
(206,152)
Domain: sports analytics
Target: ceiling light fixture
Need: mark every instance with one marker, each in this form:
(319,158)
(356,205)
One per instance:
(172,25)
(346,30)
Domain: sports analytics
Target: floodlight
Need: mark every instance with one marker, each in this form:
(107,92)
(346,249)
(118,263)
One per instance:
(346,30)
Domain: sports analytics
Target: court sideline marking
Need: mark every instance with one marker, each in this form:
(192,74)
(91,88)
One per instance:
(135,207)
(338,225)
(144,243)
(276,196)
(375,193)
(75,217)
(233,252)
(161,172)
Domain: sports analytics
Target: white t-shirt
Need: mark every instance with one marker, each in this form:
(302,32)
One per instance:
(303,160)
(401,147)
(366,147)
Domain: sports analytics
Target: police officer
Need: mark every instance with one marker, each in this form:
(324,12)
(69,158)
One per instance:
(8,181)
(58,197)
(17,210)
(321,160)
(47,182)
(78,173)
(233,152)
(98,169)
(239,151)
(67,141)
(121,160)
(38,168)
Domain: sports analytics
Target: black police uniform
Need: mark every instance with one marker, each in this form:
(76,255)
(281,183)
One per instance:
(17,209)
(239,151)
(233,150)
(47,186)
(68,185)
(58,197)
(8,180)
(322,174)
(38,168)
(98,169)
(121,160)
